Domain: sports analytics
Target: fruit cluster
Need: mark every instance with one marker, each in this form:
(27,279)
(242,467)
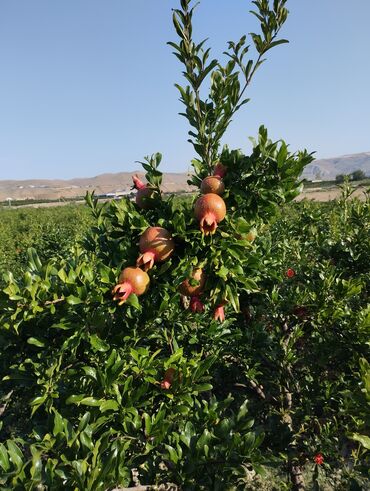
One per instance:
(157,245)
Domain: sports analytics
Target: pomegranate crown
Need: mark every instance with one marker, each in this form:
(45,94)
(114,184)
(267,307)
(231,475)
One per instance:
(138,183)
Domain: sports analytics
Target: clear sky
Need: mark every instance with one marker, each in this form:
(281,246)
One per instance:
(86,86)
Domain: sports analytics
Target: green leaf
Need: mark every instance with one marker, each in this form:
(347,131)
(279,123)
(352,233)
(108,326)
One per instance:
(90,401)
(36,342)
(202,387)
(84,421)
(133,301)
(15,454)
(110,405)
(233,298)
(37,402)
(86,440)
(72,300)
(4,460)
(98,344)
(363,439)
(36,468)
(58,423)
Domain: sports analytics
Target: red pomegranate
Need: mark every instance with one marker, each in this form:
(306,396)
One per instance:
(210,209)
(143,192)
(219,313)
(193,291)
(196,305)
(220,170)
(212,184)
(131,280)
(168,377)
(156,245)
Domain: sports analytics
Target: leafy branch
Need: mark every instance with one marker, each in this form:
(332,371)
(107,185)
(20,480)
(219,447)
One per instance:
(209,118)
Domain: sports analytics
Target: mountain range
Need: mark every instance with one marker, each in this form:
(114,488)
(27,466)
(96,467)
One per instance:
(328,169)
(121,182)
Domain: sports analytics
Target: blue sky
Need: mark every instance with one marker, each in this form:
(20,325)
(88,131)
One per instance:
(86,86)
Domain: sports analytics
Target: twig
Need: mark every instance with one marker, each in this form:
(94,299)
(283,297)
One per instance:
(52,302)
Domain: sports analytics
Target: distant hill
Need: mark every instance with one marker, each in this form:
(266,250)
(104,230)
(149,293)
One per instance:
(121,182)
(327,169)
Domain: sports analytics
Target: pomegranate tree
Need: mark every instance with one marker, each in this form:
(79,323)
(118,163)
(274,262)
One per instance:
(181,384)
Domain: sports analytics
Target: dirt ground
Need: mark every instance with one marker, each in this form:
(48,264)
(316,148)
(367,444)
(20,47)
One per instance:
(322,194)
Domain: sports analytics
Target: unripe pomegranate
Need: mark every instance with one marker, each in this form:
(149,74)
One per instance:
(131,280)
(220,170)
(156,245)
(193,291)
(210,209)
(251,235)
(212,184)
(143,192)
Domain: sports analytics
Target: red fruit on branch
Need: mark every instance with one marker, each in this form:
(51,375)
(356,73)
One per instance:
(290,273)
(168,377)
(219,313)
(131,280)
(210,209)
(212,184)
(143,192)
(193,291)
(196,305)
(156,245)
(138,183)
(319,459)
(220,170)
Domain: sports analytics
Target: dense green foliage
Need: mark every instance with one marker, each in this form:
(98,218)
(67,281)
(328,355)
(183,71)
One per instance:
(52,231)
(256,397)
(89,372)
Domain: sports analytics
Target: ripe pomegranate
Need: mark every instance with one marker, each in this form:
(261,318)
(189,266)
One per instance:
(219,313)
(196,305)
(193,291)
(143,192)
(212,184)
(210,209)
(156,245)
(220,170)
(168,377)
(131,280)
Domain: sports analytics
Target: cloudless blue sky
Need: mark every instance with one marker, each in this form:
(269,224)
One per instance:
(86,86)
